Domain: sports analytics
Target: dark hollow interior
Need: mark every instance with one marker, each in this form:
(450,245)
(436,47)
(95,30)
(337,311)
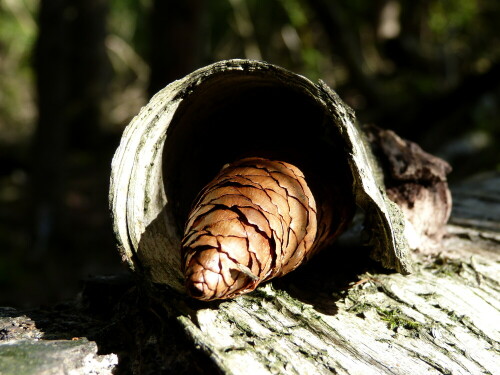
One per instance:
(236,115)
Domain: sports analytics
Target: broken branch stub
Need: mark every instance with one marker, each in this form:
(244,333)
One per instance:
(278,122)
(417,182)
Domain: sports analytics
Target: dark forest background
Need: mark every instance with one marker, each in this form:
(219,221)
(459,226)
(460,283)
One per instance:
(74,72)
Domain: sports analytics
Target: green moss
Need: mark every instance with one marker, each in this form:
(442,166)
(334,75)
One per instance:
(446,266)
(395,319)
(359,308)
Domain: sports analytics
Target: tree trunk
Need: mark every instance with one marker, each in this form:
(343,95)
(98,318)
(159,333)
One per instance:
(70,64)
(50,139)
(341,313)
(176,41)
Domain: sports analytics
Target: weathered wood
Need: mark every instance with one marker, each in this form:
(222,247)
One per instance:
(417,182)
(337,315)
(476,203)
(23,352)
(444,318)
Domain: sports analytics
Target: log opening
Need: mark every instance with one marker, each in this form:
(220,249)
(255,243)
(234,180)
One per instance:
(245,114)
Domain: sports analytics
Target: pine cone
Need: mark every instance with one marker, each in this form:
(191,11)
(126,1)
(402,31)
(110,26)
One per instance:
(256,220)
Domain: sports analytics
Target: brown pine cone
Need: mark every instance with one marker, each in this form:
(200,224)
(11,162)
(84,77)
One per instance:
(256,220)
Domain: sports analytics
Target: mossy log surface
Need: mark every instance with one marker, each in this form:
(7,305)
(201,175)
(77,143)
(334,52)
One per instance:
(443,319)
(339,314)
(27,350)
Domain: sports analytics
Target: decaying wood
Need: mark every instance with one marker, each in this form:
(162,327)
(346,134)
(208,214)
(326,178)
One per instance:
(258,219)
(336,315)
(25,350)
(416,181)
(442,319)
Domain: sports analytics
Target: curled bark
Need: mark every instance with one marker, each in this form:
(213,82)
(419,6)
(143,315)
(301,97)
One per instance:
(168,154)
(257,220)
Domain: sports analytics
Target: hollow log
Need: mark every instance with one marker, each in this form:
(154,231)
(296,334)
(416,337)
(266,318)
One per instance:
(341,313)
(228,111)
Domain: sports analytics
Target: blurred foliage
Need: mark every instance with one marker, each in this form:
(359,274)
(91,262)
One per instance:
(428,69)
(452,17)
(128,19)
(18,31)
(437,42)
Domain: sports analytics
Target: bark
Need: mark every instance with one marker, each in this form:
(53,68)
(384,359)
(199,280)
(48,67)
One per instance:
(417,182)
(169,152)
